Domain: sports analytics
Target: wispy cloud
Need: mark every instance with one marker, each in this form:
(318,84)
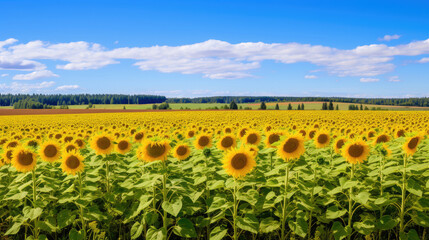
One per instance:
(35,75)
(388,38)
(369,79)
(424,60)
(17,87)
(394,79)
(310,76)
(67,87)
(4,75)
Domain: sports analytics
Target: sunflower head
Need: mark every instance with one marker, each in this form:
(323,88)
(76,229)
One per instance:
(202,141)
(355,151)
(321,139)
(411,144)
(102,144)
(239,162)
(272,138)
(252,137)
(50,151)
(123,146)
(80,143)
(226,142)
(139,136)
(23,159)
(339,144)
(181,151)
(291,148)
(70,147)
(72,162)
(151,151)
(7,155)
(381,138)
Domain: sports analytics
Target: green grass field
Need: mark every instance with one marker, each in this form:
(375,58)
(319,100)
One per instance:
(203,106)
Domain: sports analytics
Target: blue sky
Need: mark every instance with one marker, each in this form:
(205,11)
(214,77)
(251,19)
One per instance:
(208,48)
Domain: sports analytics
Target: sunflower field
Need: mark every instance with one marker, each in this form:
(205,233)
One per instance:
(215,175)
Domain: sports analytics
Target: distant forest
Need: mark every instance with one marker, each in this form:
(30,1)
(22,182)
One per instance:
(80,99)
(85,99)
(422,102)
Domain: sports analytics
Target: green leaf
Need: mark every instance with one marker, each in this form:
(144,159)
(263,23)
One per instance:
(31,213)
(299,227)
(136,230)
(18,196)
(248,223)
(366,227)
(333,212)
(350,184)
(200,180)
(218,233)
(155,234)
(14,229)
(423,203)
(185,228)
(386,222)
(339,231)
(218,203)
(250,196)
(413,235)
(414,187)
(420,218)
(268,225)
(173,208)
(65,218)
(362,197)
(75,235)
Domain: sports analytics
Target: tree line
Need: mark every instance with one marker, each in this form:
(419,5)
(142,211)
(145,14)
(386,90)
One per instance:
(80,99)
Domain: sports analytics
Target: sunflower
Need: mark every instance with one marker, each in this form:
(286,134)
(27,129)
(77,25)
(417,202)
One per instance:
(381,138)
(23,159)
(71,147)
(253,149)
(227,130)
(399,133)
(339,143)
(202,141)
(410,145)
(292,147)
(153,150)
(50,151)
(32,143)
(181,151)
(355,151)
(386,151)
(7,155)
(252,137)
(80,142)
(239,162)
(139,136)
(321,139)
(226,142)
(123,146)
(190,134)
(242,132)
(272,138)
(102,144)
(2,162)
(11,144)
(72,162)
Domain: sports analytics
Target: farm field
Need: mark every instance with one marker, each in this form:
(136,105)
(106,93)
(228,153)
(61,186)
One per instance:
(215,175)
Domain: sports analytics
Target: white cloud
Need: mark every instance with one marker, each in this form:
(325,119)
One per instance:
(35,75)
(16,87)
(389,37)
(4,75)
(67,87)
(310,76)
(213,58)
(369,79)
(424,60)
(394,79)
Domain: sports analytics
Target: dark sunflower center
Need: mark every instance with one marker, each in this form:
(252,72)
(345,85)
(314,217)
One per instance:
(191,133)
(50,151)
(273,138)
(311,134)
(32,143)
(340,143)
(252,138)
(400,133)
(356,150)
(122,145)
(72,162)
(182,150)
(322,138)
(291,145)
(58,136)
(70,148)
(239,161)
(382,138)
(227,142)
(25,158)
(103,143)
(9,154)
(228,130)
(79,142)
(413,143)
(371,134)
(155,150)
(243,132)
(12,144)
(203,141)
(139,136)
(68,139)
(302,133)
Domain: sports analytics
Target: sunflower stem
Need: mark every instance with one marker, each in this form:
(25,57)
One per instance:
(381,190)
(208,197)
(107,177)
(403,188)
(164,198)
(311,200)
(36,228)
(352,172)
(80,207)
(284,213)
(235,207)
